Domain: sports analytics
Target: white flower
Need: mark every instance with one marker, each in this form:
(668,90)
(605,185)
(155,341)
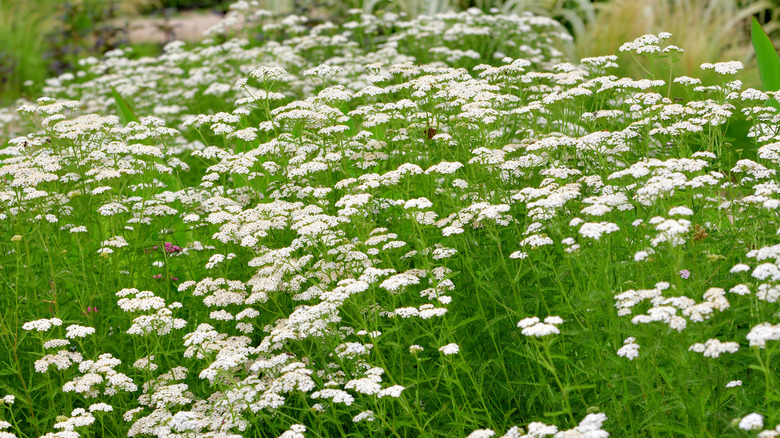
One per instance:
(539,429)
(527,322)
(445,168)
(681,211)
(640,43)
(145,363)
(643,255)
(740,289)
(536,240)
(419,203)
(78,331)
(295,431)
(391,391)
(56,343)
(267,73)
(630,349)
(323,71)
(734,383)
(42,325)
(540,330)
(687,80)
(364,385)
(594,230)
(762,333)
(116,242)
(724,68)
(102,407)
(481,433)
(364,416)
(714,348)
(752,421)
(399,281)
(450,349)
(532,326)
(554,320)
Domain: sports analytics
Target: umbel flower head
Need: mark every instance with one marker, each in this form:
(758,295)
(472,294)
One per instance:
(450,349)
(533,326)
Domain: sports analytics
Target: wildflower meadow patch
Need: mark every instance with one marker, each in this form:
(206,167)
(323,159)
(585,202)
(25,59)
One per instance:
(411,228)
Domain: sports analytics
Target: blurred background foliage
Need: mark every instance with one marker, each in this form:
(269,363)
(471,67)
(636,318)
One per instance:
(44,38)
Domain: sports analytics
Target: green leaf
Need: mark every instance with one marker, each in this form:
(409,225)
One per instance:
(768,60)
(123,109)
(555,414)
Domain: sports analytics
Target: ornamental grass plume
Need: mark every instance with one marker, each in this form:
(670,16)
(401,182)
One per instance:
(709,31)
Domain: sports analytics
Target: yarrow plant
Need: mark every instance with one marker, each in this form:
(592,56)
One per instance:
(389,227)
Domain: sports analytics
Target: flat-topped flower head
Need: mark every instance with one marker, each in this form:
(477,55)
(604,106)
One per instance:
(42,325)
(714,348)
(724,68)
(752,421)
(630,349)
(450,349)
(533,326)
(267,73)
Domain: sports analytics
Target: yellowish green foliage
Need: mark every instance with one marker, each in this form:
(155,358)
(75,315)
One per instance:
(708,30)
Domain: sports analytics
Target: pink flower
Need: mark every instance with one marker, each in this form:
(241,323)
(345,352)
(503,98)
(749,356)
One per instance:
(685,274)
(171,248)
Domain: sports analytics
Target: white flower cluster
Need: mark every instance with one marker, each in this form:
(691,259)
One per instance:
(42,325)
(344,188)
(590,426)
(714,348)
(630,349)
(533,326)
(100,374)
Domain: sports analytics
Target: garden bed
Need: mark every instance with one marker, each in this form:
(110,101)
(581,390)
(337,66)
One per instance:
(428,227)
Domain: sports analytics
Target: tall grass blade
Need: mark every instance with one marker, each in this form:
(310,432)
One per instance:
(768,60)
(123,109)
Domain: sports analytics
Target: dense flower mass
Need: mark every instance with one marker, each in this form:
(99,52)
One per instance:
(298,228)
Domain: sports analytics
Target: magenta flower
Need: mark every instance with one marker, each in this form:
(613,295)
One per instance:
(171,248)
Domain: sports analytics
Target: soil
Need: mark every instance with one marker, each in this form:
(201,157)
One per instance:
(186,26)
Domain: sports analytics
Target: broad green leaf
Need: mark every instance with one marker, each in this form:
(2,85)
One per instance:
(123,109)
(768,60)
